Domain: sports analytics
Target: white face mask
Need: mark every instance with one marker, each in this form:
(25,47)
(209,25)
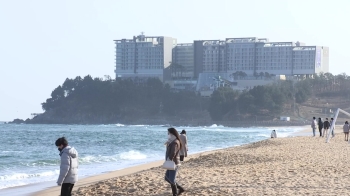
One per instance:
(169,136)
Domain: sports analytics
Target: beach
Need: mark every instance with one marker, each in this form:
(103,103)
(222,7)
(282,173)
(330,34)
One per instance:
(301,165)
(34,165)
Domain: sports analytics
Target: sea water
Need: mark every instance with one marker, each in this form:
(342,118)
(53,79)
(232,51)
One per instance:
(28,153)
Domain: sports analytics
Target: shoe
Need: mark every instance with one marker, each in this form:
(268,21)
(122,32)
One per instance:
(174,190)
(181,190)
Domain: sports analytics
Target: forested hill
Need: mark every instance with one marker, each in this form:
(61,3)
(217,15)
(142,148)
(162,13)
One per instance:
(88,100)
(97,101)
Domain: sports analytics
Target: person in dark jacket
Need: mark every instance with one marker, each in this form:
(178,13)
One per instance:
(346,129)
(332,131)
(69,167)
(325,127)
(320,126)
(172,153)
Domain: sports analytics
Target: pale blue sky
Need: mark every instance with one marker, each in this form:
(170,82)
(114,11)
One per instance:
(43,42)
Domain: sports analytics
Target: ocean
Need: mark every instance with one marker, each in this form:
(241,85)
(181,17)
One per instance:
(29,155)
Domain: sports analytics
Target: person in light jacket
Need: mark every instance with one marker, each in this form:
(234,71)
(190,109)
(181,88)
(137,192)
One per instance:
(273,134)
(346,128)
(314,126)
(69,167)
(172,153)
(184,149)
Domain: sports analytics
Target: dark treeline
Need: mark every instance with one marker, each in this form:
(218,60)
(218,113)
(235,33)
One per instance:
(88,100)
(94,100)
(271,100)
(267,101)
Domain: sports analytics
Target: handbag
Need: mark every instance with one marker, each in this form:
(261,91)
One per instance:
(169,164)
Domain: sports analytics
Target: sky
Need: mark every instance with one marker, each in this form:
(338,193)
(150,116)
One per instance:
(44,42)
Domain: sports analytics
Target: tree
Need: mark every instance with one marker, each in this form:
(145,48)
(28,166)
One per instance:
(244,75)
(222,101)
(96,100)
(256,75)
(241,74)
(261,74)
(267,75)
(58,93)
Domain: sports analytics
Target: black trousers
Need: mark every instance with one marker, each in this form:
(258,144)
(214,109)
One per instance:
(66,189)
(182,157)
(320,129)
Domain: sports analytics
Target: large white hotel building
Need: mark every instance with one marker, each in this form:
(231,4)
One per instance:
(145,56)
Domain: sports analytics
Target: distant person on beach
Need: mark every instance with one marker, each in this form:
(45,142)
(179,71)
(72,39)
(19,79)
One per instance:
(320,126)
(333,134)
(172,153)
(314,126)
(184,148)
(325,127)
(69,167)
(273,134)
(346,129)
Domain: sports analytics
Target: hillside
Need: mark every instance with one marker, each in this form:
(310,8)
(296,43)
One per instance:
(96,101)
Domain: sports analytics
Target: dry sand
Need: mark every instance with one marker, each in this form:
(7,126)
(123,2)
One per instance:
(282,166)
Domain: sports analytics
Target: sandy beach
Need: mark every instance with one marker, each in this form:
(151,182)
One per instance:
(283,166)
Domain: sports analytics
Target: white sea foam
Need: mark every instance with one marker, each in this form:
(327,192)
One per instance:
(129,155)
(132,155)
(215,125)
(17,176)
(12,151)
(119,125)
(18,179)
(263,135)
(8,185)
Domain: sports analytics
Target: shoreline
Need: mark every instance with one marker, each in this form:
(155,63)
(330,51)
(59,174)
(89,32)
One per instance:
(49,188)
(233,124)
(282,166)
(53,191)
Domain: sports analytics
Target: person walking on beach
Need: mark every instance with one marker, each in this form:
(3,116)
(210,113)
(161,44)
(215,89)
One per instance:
(325,127)
(184,148)
(172,153)
(69,167)
(333,134)
(313,126)
(273,134)
(346,129)
(320,126)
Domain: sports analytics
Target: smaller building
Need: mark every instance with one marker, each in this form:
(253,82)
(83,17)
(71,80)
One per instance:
(182,66)
(209,82)
(182,85)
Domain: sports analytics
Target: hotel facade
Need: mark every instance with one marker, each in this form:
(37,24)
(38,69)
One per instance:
(150,56)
